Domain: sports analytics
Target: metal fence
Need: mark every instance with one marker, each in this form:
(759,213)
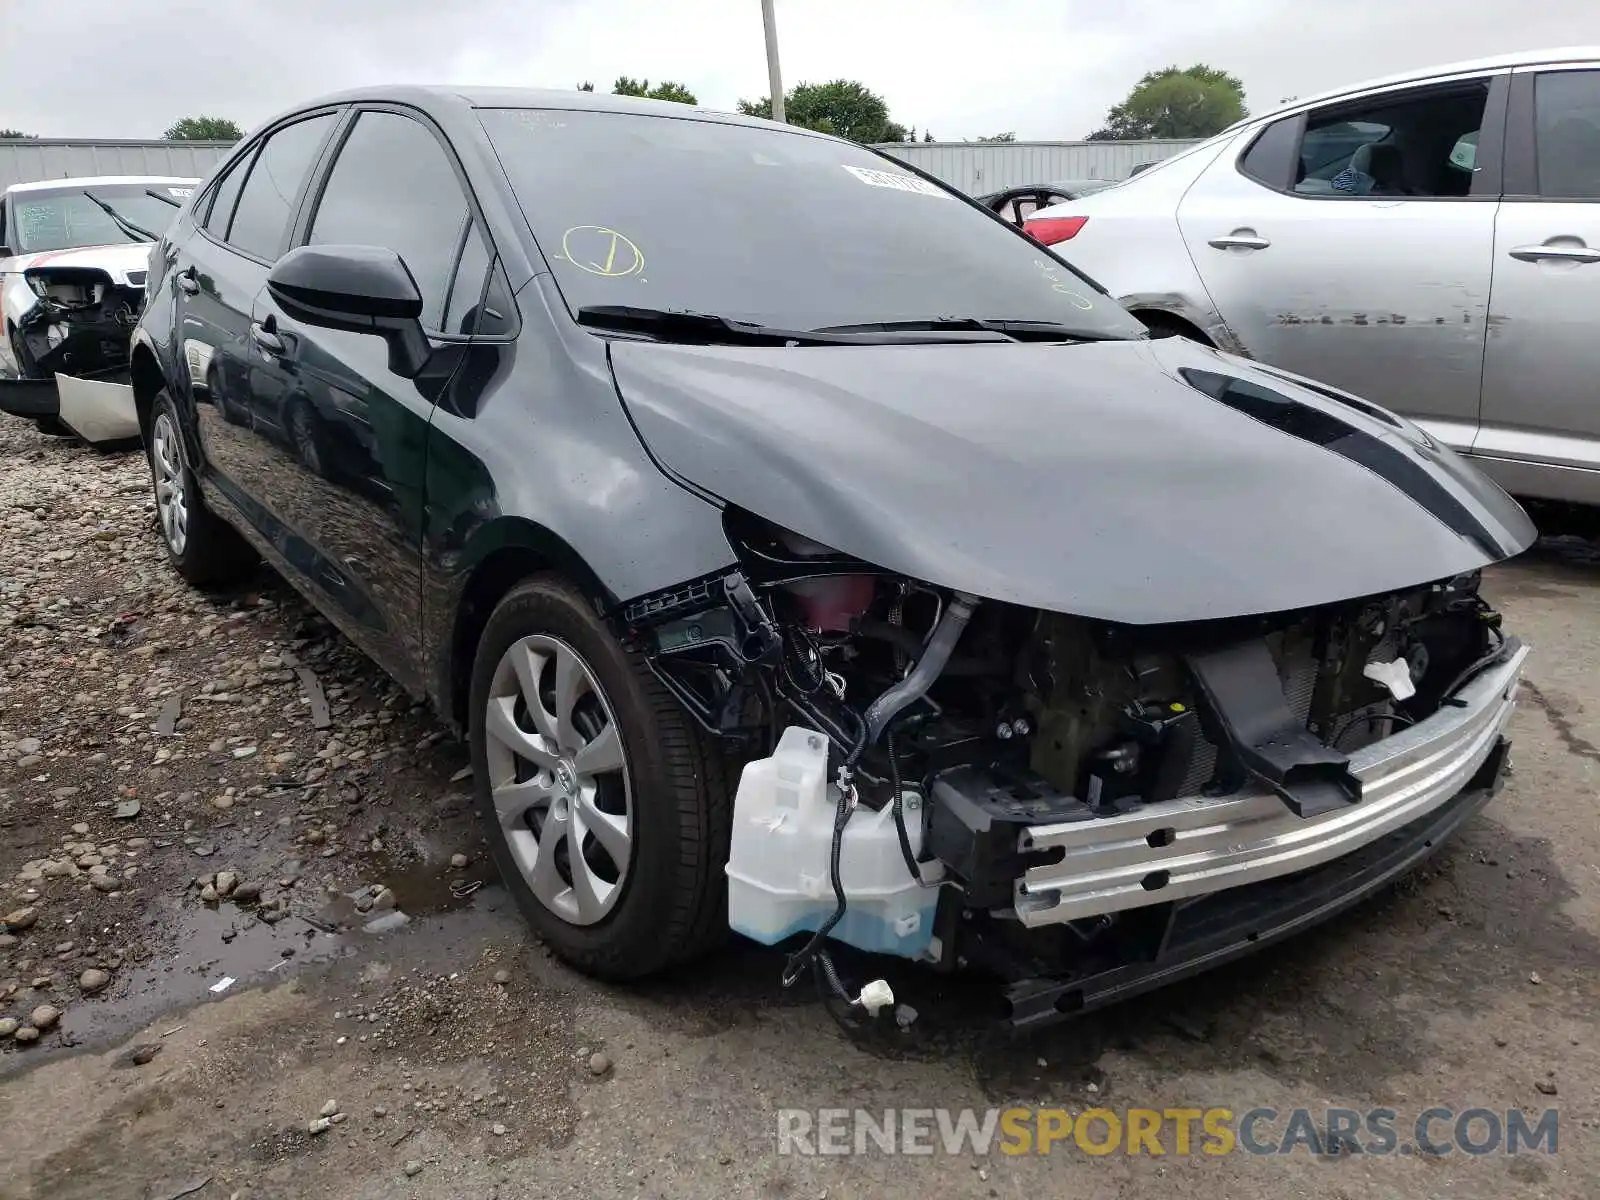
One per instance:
(973,167)
(979,167)
(30,160)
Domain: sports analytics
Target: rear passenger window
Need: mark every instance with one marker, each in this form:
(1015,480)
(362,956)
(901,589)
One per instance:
(225,195)
(1566,109)
(393,185)
(261,219)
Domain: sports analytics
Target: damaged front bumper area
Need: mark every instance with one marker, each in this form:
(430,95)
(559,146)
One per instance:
(81,323)
(73,352)
(1078,808)
(1188,847)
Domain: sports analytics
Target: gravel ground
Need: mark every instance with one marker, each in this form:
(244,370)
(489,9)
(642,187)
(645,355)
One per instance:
(268,958)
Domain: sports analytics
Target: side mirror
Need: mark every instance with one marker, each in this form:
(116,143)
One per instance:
(359,289)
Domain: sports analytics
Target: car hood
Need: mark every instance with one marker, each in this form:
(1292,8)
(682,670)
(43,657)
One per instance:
(117,260)
(1145,482)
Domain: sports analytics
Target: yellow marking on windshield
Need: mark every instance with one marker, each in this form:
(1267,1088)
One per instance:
(601,250)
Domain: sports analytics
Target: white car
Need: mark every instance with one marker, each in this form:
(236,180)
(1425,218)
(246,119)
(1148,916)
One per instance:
(74,254)
(1429,242)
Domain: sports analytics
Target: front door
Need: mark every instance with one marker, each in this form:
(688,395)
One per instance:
(351,486)
(1351,244)
(244,224)
(1541,369)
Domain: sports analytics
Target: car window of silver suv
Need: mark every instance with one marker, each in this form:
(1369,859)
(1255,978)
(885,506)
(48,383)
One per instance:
(1418,142)
(1567,134)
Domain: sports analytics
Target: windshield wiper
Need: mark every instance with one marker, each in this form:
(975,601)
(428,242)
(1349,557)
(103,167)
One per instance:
(688,326)
(172,200)
(1021,331)
(128,227)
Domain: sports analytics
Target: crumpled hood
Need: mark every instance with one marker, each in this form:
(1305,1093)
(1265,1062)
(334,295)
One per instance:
(1146,482)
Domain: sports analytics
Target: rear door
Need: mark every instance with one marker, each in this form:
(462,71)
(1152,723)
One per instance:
(349,482)
(244,225)
(1351,243)
(1541,399)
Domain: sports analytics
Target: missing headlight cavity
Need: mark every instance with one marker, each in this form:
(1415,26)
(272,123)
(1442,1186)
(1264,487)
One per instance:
(945,729)
(80,324)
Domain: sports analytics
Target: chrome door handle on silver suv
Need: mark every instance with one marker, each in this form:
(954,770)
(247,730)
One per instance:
(1576,254)
(1241,239)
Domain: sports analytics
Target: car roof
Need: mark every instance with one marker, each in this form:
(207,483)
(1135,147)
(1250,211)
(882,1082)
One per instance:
(41,185)
(1497,62)
(432,99)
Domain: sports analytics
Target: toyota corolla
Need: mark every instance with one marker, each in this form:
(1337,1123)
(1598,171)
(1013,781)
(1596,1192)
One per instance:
(804,550)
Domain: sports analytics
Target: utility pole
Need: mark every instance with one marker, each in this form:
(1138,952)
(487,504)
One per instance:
(774,77)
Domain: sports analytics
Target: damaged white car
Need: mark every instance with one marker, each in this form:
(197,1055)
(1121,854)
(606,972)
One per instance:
(74,256)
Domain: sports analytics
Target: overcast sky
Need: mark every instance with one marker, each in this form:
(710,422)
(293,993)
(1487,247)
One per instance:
(1046,69)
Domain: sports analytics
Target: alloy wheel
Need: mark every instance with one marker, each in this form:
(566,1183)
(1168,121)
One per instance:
(559,778)
(172,502)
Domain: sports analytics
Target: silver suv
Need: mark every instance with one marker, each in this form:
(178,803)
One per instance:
(1430,242)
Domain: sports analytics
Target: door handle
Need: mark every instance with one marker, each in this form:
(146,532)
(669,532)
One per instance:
(1548,253)
(187,283)
(263,337)
(1241,239)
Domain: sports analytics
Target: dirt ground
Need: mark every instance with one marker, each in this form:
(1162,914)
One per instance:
(159,748)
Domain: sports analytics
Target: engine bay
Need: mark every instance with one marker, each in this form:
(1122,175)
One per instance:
(82,321)
(970,722)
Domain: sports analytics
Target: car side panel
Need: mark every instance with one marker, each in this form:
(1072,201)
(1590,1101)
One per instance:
(1540,432)
(531,447)
(1132,245)
(1387,298)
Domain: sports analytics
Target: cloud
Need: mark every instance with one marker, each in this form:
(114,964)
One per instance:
(1047,69)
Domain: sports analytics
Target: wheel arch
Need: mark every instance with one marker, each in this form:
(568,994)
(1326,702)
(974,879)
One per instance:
(1176,309)
(147,383)
(1161,322)
(498,556)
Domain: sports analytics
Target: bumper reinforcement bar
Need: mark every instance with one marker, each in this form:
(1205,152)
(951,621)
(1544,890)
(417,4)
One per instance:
(1179,849)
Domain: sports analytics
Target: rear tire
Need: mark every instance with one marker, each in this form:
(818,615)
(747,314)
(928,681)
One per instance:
(52,427)
(656,790)
(204,549)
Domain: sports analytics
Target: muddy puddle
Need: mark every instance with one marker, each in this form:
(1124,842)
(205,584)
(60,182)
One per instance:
(213,951)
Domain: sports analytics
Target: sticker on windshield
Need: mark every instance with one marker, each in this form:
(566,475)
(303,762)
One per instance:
(180,193)
(894,179)
(601,250)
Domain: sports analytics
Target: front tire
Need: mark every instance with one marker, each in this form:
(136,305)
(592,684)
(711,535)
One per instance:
(607,813)
(203,548)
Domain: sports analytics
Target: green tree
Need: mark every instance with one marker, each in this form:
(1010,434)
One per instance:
(665,90)
(16,133)
(842,106)
(1193,102)
(586,86)
(1000,137)
(203,129)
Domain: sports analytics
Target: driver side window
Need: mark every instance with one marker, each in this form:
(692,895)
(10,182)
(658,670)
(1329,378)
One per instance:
(394,186)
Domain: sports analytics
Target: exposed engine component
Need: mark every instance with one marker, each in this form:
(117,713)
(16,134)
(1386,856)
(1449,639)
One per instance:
(929,732)
(81,323)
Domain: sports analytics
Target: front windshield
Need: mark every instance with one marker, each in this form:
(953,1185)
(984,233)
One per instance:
(772,227)
(65,218)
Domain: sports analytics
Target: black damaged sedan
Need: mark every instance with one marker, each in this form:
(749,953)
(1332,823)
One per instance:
(638,438)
